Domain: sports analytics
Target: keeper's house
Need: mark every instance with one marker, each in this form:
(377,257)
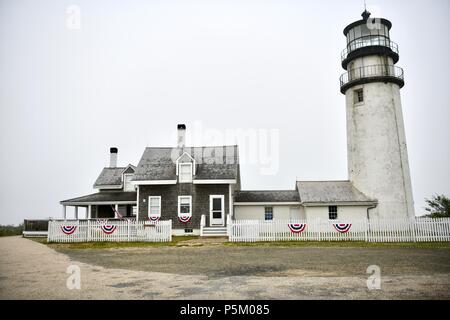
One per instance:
(199,186)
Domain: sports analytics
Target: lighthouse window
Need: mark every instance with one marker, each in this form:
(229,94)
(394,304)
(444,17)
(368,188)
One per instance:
(332,212)
(359,96)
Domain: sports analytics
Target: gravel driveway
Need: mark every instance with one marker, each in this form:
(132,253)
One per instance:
(30,270)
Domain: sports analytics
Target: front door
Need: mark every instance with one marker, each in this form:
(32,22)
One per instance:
(216,210)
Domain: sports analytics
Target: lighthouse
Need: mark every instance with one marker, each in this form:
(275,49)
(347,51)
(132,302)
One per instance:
(376,143)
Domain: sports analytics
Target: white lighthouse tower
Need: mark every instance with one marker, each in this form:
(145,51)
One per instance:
(376,144)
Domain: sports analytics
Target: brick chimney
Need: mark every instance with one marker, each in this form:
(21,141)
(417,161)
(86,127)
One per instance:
(113,157)
(181,137)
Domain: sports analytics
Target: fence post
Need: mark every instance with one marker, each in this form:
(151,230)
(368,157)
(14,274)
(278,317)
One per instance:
(89,230)
(366,226)
(128,230)
(50,224)
(412,225)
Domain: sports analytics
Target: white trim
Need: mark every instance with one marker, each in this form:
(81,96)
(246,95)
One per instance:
(230,201)
(109,186)
(150,182)
(137,204)
(326,204)
(214,181)
(149,202)
(266,203)
(131,182)
(190,203)
(222,198)
(191,167)
(97,203)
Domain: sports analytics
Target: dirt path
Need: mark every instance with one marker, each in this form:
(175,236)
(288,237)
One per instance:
(29,270)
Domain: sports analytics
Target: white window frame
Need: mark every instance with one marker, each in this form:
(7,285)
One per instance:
(149,204)
(125,184)
(180,172)
(329,213)
(190,203)
(266,213)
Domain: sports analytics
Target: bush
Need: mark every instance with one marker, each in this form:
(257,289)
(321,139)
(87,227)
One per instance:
(11,230)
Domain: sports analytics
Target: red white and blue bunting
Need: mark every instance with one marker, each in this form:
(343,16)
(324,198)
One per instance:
(68,229)
(154,218)
(342,227)
(297,227)
(108,229)
(184,217)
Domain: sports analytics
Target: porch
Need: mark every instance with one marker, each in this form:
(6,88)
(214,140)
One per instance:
(108,205)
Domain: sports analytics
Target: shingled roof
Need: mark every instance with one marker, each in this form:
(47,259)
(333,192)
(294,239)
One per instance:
(211,163)
(330,192)
(104,196)
(267,196)
(111,176)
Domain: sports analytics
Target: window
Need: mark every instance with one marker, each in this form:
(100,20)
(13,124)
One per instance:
(332,212)
(188,230)
(359,95)
(154,205)
(185,172)
(127,185)
(184,204)
(268,213)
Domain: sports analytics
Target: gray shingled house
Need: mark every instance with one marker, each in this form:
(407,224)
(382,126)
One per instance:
(200,186)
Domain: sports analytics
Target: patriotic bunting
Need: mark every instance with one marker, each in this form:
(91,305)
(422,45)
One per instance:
(185,218)
(154,218)
(108,229)
(342,227)
(68,229)
(297,227)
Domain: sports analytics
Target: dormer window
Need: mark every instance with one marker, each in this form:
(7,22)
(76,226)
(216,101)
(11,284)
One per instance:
(185,172)
(127,185)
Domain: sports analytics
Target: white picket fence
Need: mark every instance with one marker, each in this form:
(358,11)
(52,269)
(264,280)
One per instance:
(118,231)
(382,230)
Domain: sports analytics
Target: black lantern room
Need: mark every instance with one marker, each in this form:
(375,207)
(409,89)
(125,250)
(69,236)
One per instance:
(368,36)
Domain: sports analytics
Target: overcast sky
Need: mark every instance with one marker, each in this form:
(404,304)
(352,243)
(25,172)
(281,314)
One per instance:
(134,69)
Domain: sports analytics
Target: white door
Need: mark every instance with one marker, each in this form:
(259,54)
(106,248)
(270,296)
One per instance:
(216,210)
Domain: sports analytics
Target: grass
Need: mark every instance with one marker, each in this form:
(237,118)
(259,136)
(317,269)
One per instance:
(177,240)
(342,244)
(108,245)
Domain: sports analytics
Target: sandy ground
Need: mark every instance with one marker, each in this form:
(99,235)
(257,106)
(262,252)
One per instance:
(29,270)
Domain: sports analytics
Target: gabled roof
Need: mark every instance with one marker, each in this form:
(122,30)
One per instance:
(267,196)
(330,192)
(104,196)
(211,163)
(111,176)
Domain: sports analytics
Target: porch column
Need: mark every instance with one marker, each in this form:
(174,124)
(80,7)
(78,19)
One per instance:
(89,212)
(76,212)
(116,210)
(64,212)
(230,202)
